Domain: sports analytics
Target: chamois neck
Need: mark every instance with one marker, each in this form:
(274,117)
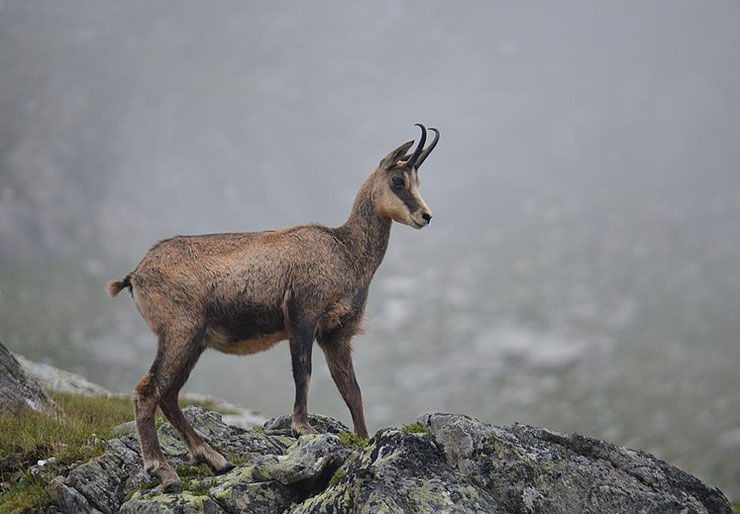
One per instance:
(366,233)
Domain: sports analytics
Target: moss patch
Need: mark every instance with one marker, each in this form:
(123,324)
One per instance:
(415,428)
(196,479)
(337,476)
(352,440)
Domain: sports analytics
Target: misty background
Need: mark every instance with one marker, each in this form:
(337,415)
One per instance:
(582,270)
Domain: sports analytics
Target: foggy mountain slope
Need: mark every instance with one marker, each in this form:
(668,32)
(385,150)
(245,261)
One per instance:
(582,268)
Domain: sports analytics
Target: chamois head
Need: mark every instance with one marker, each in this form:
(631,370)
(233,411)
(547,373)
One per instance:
(396,183)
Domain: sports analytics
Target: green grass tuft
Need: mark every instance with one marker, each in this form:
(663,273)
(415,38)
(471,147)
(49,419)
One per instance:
(27,494)
(67,436)
(415,428)
(352,440)
(30,436)
(736,507)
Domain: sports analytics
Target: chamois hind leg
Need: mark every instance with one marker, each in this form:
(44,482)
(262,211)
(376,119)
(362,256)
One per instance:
(179,348)
(338,353)
(146,397)
(200,451)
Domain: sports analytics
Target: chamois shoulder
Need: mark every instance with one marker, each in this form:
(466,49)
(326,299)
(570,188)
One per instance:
(309,230)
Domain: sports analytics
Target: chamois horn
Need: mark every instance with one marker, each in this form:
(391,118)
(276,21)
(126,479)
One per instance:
(412,160)
(429,149)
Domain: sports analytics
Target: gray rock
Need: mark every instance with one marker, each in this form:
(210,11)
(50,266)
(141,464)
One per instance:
(17,389)
(456,464)
(322,424)
(399,473)
(238,417)
(154,502)
(68,499)
(534,470)
(100,484)
(247,495)
(310,458)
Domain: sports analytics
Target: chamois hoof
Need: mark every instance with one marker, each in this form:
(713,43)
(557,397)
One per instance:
(174,486)
(169,479)
(300,429)
(214,460)
(225,468)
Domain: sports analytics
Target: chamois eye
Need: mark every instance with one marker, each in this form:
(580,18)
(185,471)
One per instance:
(397,181)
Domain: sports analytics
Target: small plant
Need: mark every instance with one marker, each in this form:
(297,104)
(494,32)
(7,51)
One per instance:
(238,458)
(352,440)
(415,428)
(193,471)
(198,487)
(196,479)
(151,484)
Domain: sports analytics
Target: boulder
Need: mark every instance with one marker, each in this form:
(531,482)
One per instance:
(17,389)
(442,463)
(537,470)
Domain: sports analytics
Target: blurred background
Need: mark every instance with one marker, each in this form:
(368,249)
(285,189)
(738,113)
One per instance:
(583,268)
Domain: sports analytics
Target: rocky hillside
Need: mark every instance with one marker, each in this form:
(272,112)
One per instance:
(441,463)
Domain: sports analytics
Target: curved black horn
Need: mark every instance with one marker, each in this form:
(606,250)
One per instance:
(428,150)
(419,147)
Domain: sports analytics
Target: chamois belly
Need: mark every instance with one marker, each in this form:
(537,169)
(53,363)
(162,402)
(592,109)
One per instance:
(259,343)
(248,329)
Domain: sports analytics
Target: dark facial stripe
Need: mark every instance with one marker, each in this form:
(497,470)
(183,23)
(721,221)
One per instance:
(407,198)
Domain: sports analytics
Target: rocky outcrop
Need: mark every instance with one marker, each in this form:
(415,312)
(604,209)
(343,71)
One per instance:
(17,389)
(442,463)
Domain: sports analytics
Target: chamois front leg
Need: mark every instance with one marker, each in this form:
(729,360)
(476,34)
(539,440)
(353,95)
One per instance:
(301,343)
(338,353)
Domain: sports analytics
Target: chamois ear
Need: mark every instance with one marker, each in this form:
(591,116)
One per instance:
(396,155)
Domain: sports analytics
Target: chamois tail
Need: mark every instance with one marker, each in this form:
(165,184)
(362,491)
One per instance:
(116,286)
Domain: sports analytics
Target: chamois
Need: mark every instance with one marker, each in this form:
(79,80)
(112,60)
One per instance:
(241,293)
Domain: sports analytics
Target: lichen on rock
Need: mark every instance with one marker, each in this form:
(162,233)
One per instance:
(447,463)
